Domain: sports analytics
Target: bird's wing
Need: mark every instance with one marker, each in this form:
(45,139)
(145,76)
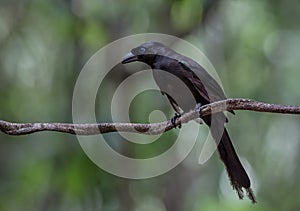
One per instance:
(204,82)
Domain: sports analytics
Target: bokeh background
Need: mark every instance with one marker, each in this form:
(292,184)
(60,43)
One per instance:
(254,46)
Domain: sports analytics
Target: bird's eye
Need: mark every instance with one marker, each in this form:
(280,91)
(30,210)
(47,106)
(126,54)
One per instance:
(142,50)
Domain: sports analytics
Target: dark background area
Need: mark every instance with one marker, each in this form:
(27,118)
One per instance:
(254,46)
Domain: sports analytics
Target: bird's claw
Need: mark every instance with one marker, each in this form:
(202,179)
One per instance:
(174,119)
(198,108)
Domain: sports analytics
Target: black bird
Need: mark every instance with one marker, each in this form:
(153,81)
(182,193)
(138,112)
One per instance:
(187,84)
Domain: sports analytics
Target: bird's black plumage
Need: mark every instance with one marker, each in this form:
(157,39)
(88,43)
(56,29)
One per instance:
(186,83)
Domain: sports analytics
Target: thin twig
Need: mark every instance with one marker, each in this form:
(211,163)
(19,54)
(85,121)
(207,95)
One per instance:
(149,129)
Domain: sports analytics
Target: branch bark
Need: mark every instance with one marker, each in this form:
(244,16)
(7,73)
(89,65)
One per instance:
(149,129)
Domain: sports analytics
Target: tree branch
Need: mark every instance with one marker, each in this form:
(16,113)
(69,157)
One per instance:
(149,129)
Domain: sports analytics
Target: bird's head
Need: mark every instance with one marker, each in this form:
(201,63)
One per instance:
(146,52)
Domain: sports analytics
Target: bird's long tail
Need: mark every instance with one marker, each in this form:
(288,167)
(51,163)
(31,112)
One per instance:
(236,172)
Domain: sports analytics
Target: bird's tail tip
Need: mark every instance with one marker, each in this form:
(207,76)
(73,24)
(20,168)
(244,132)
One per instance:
(251,195)
(240,192)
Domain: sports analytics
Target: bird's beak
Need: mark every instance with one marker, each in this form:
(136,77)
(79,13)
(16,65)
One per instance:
(130,57)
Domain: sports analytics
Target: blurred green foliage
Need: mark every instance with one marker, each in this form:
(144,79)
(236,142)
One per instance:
(254,45)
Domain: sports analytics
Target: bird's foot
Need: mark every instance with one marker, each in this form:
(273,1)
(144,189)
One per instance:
(198,108)
(174,119)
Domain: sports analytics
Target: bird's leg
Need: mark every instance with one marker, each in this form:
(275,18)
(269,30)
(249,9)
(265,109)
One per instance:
(174,119)
(177,110)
